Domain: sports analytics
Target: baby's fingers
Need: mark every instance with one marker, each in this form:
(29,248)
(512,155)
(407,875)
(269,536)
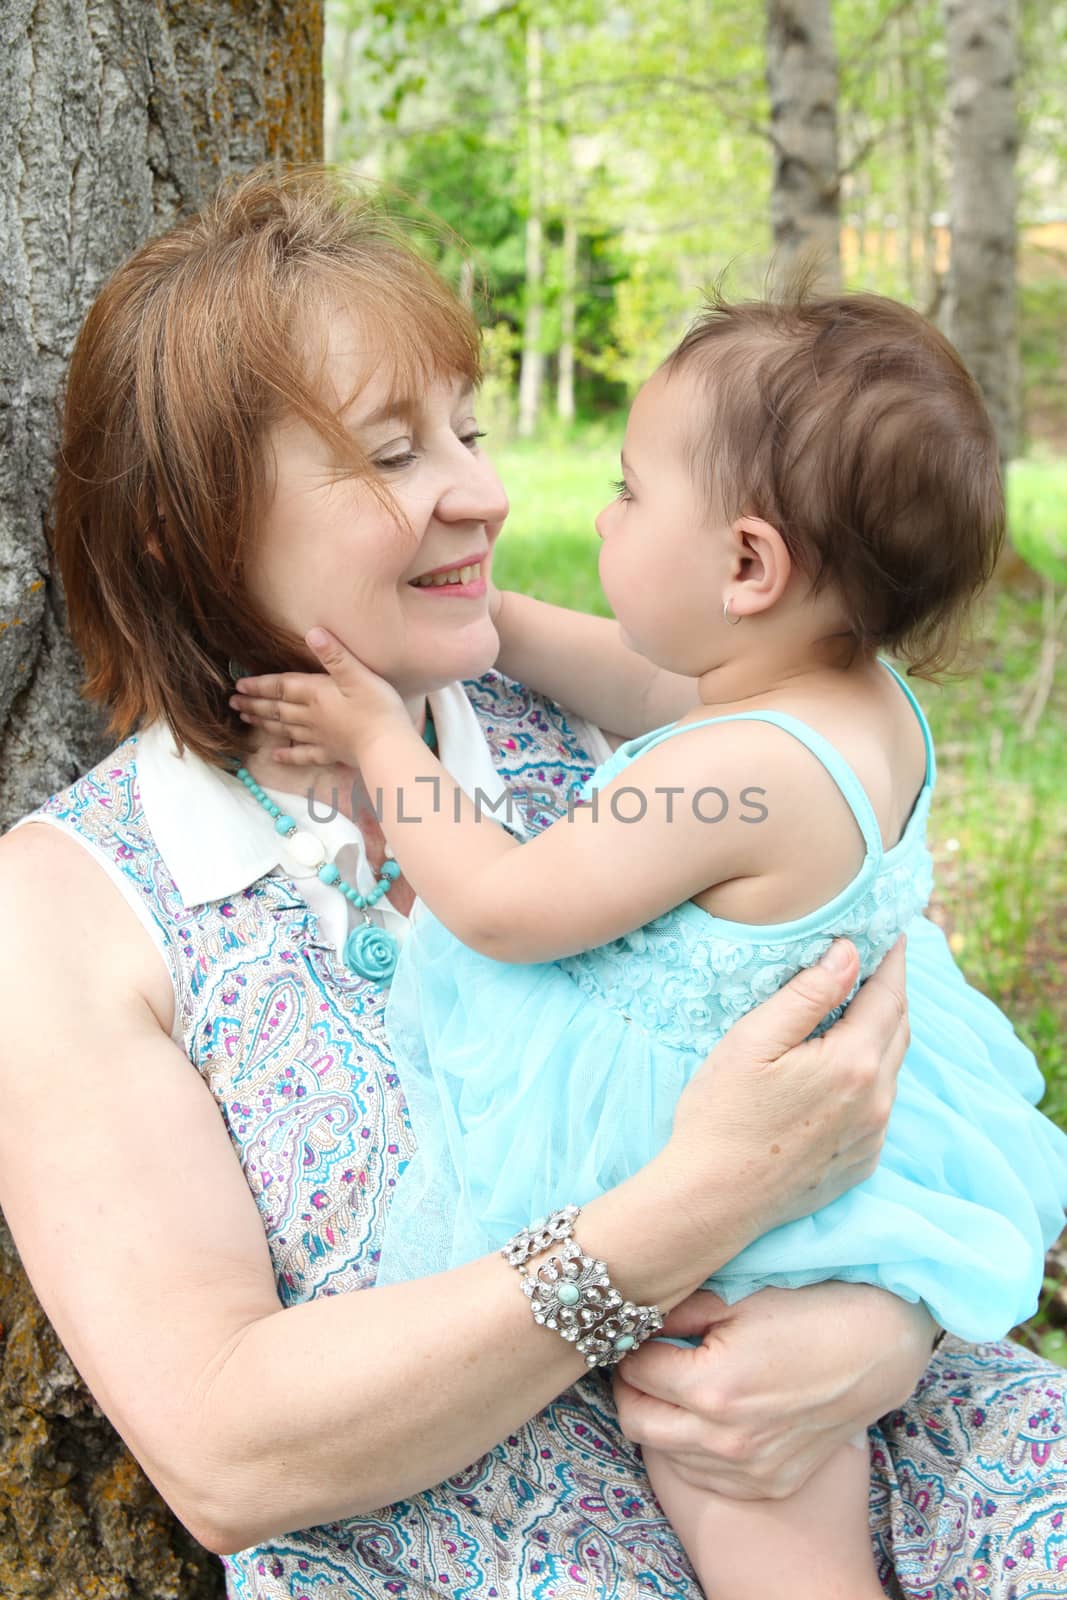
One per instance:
(295,687)
(268,713)
(301,755)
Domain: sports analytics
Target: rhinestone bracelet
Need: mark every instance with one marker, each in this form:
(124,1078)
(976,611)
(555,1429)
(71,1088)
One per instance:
(572,1294)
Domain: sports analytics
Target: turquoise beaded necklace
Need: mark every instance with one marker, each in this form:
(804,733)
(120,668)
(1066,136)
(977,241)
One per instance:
(369,951)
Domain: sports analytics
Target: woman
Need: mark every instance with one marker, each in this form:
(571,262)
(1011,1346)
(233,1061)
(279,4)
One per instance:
(269,425)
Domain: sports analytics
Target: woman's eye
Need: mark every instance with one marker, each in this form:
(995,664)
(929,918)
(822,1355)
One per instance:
(390,462)
(621,491)
(471,438)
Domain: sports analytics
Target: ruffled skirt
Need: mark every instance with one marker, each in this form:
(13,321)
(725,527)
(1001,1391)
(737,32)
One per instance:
(526,1093)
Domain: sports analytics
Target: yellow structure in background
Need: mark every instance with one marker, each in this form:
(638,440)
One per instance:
(1042,249)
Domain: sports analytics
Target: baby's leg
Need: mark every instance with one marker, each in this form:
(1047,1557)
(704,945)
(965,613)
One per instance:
(813,1546)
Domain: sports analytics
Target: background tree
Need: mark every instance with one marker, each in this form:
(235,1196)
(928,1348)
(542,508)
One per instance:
(115,117)
(980,302)
(531,371)
(805,194)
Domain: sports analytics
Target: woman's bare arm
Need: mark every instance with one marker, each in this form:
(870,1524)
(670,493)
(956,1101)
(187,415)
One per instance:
(142,1240)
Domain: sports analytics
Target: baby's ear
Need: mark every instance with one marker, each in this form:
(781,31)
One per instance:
(762,566)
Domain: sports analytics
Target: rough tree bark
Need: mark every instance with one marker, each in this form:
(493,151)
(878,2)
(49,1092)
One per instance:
(979,312)
(805,196)
(115,117)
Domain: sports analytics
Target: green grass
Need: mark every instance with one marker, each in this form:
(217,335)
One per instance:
(998,827)
(1037,510)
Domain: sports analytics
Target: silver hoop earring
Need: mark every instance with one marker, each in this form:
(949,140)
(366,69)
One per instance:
(726,617)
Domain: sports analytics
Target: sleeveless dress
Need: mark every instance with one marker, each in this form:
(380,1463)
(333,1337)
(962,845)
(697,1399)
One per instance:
(590,1053)
(969,1476)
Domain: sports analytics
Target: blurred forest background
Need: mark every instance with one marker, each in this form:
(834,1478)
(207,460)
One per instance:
(596,165)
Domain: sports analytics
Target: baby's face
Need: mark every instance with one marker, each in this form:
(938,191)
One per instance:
(664,563)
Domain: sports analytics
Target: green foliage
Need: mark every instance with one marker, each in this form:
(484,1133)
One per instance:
(655,129)
(1043,350)
(468,183)
(1037,514)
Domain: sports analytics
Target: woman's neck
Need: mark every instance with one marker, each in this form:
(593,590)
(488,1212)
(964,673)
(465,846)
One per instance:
(337,787)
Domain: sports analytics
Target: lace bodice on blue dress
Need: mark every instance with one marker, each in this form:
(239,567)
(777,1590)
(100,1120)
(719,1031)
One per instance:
(590,1054)
(688,976)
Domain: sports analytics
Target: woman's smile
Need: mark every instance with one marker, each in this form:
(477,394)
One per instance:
(464,580)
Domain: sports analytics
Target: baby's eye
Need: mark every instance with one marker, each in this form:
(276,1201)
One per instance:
(470,438)
(621,491)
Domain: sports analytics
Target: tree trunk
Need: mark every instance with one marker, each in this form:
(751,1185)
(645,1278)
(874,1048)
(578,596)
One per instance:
(980,303)
(116,116)
(805,197)
(929,198)
(908,203)
(336,92)
(531,371)
(568,307)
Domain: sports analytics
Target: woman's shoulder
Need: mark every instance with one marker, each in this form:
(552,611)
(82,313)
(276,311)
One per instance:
(59,886)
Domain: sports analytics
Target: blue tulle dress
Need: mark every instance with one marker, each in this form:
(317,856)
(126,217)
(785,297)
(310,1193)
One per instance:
(530,1086)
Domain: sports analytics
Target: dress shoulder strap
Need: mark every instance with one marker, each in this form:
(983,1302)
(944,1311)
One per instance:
(928,738)
(824,752)
(827,754)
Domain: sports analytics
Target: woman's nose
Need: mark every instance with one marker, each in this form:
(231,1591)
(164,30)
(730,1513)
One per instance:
(475,494)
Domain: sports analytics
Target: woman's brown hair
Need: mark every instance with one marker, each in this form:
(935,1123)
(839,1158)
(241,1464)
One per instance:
(192,350)
(851,425)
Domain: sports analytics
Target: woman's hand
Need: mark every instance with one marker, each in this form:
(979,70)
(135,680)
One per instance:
(779,1381)
(770,1129)
(327,717)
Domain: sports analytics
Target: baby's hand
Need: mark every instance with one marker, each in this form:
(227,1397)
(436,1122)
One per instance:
(328,717)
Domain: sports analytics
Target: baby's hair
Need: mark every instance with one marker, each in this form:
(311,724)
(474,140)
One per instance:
(851,425)
(196,346)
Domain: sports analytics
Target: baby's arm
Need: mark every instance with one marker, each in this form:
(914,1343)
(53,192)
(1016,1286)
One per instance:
(649,843)
(581,662)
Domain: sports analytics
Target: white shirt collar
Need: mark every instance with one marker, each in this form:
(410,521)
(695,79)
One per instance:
(215,839)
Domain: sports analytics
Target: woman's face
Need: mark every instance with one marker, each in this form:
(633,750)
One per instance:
(331,553)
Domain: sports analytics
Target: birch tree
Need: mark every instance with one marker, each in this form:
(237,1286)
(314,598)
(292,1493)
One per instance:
(980,311)
(531,372)
(116,116)
(802,78)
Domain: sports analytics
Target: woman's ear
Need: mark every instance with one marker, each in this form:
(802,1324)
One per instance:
(761,566)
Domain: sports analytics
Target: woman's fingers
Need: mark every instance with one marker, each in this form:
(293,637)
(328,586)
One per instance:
(804,1117)
(691,1318)
(671,1373)
(724,1459)
(646,1419)
(878,1017)
(787,1018)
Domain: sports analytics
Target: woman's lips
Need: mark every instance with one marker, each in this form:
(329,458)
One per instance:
(464,581)
(463,591)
